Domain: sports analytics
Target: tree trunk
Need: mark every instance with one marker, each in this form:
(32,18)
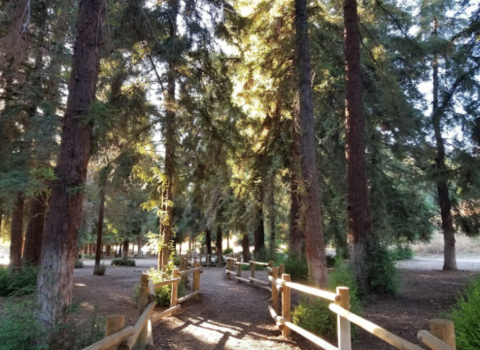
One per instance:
(1,219)
(208,241)
(449,254)
(16,233)
(98,252)
(55,278)
(271,214)
(166,231)
(36,223)
(359,223)
(140,245)
(126,244)
(296,236)
(259,233)
(109,250)
(218,245)
(245,248)
(314,242)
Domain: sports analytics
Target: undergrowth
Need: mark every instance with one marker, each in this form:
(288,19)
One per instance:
(122,262)
(16,283)
(162,294)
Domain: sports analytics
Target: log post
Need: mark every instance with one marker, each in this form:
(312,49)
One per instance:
(275,289)
(343,325)
(150,336)
(286,299)
(239,269)
(271,264)
(174,296)
(144,280)
(444,330)
(114,324)
(196,280)
(142,340)
(252,269)
(229,267)
(281,271)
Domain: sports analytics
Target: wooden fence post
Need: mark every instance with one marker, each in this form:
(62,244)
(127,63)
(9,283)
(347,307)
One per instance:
(444,330)
(286,299)
(239,269)
(196,280)
(114,324)
(174,296)
(281,271)
(275,289)
(343,325)
(271,264)
(252,270)
(142,304)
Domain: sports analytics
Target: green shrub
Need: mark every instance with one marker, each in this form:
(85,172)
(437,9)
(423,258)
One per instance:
(296,267)
(17,283)
(88,256)
(162,294)
(100,270)
(402,252)
(79,264)
(466,316)
(123,262)
(228,251)
(313,313)
(381,270)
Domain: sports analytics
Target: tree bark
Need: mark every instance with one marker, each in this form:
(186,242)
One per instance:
(16,233)
(98,251)
(140,244)
(55,278)
(259,233)
(218,245)
(449,254)
(314,242)
(166,231)
(109,250)
(245,248)
(271,213)
(359,223)
(208,241)
(35,226)
(126,244)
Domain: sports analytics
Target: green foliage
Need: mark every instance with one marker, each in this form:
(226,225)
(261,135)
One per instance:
(17,283)
(402,252)
(79,264)
(228,251)
(295,266)
(88,256)
(162,294)
(466,316)
(313,313)
(100,270)
(381,270)
(122,262)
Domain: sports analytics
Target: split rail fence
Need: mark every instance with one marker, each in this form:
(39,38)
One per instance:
(440,337)
(119,337)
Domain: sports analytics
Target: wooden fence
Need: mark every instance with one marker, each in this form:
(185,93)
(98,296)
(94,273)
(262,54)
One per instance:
(440,337)
(119,337)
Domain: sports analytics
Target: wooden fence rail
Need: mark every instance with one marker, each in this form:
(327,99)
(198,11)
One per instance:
(117,337)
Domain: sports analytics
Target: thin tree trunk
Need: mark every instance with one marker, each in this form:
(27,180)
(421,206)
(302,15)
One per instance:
(449,254)
(208,241)
(271,213)
(109,250)
(98,252)
(359,223)
(219,245)
(259,233)
(314,242)
(245,248)
(140,245)
(126,244)
(55,278)
(166,231)
(34,234)
(1,219)
(16,233)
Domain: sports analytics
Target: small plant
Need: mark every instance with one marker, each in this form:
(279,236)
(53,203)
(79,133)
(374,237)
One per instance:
(381,270)
(402,252)
(18,283)
(162,294)
(466,316)
(79,264)
(100,270)
(228,251)
(123,262)
(297,268)
(88,256)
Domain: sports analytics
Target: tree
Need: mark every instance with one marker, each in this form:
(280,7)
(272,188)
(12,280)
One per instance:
(55,283)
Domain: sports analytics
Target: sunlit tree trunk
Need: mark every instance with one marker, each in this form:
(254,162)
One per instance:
(314,242)
(55,277)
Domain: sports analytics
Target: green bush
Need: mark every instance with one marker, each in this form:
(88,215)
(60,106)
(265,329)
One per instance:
(88,256)
(402,252)
(162,294)
(100,270)
(313,313)
(17,283)
(466,316)
(296,267)
(123,262)
(79,264)
(381,270)
(228,251)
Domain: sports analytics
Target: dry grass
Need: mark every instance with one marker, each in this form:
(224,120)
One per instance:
(465,245)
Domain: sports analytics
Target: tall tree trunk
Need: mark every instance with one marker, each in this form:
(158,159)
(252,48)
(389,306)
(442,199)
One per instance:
(140,245)
(1,219)
(245,248)
(314,242)
(208,241)
(359,223)
(449,254)
(271,213)
(259,232)
(166,231)
(34,234)
(55,278)
(16,233)
(109,250)
(126,244)
(296,237)
(98,251)
(218,245)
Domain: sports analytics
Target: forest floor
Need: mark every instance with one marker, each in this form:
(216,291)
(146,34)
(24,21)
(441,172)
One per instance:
(234,315)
